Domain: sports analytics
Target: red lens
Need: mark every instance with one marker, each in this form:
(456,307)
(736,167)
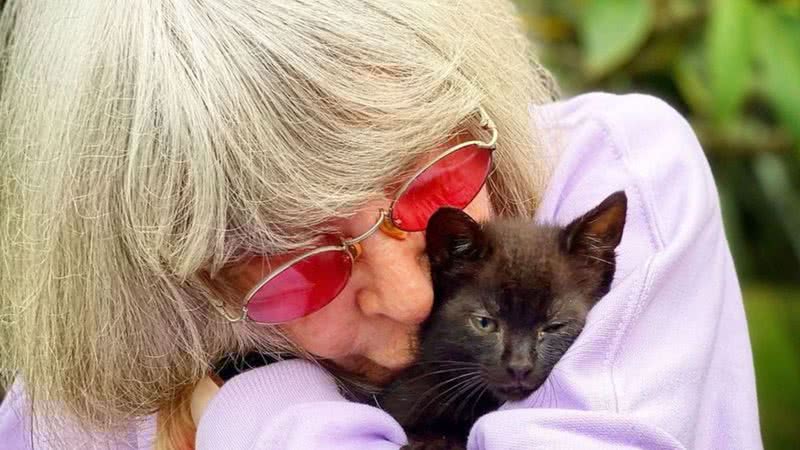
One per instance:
(302,288)
(452,181)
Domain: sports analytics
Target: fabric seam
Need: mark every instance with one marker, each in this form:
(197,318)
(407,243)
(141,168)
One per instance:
(634,301)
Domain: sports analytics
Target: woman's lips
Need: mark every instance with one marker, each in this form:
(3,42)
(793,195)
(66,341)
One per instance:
(383,368)
(370,370)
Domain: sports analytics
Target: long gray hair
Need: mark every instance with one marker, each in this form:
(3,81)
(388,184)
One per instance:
(147,145)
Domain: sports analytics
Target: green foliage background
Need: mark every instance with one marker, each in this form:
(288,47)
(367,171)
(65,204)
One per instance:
(732,67)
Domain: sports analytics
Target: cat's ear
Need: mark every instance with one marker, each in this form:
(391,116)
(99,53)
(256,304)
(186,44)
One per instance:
(453,236)
(599,231)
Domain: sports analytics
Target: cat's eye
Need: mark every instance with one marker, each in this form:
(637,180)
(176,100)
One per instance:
(551,328)
(483,324)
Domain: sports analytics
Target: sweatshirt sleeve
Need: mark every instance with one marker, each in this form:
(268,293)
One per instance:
(20,430)
(250,411)
(292,405)
(665,359)
(663,362)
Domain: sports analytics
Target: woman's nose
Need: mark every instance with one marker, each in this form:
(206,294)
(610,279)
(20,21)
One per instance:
(400,286)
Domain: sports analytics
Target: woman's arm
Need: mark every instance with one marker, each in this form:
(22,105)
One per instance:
(664,361)
(19,431)
(291,405)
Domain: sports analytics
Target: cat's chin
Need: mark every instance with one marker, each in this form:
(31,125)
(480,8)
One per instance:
(512,393)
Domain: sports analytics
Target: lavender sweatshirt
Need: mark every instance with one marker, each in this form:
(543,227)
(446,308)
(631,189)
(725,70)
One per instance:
(664,360)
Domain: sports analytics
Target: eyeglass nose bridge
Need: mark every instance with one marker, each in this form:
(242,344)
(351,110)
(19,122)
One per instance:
(388,227)
(384,223)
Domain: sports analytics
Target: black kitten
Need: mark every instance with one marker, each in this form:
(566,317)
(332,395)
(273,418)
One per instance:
(510,297)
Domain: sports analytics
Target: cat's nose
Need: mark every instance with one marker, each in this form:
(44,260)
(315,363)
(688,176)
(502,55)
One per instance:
(519,372)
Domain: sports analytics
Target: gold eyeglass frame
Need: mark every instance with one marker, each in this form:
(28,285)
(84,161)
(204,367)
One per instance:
(385,223)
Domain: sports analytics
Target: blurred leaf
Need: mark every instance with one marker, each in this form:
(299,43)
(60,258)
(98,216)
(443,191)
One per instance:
(728,53)
(730,205)
(778,54)
(680,9)
(772,314)
(675,16)
(743,136)
(671,59)
(657,56)
(569,9)
(548,28)
(774,180)
(689,78)
(791,7)
(612,30)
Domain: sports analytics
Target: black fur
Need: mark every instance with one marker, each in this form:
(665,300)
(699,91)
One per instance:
(510,297)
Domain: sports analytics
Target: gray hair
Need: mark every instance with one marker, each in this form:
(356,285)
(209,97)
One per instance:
(147,145)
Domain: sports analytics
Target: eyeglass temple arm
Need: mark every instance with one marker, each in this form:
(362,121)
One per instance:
(224,312)
(488,124)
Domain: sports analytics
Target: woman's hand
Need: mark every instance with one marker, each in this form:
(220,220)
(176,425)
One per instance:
(203,392)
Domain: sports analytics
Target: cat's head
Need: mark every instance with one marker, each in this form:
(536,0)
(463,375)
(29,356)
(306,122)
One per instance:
(511,296)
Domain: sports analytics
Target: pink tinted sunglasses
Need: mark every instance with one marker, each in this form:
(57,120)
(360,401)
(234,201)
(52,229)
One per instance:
(308,282)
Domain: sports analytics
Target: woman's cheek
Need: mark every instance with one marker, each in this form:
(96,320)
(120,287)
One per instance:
(331,332)
(334,331)
(480,208)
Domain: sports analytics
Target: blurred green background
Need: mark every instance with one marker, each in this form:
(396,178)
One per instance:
(732,67)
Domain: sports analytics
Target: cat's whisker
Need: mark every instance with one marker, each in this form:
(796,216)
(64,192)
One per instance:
(574,350)
(478,399)
(579,342)
(569,354)
(464,390)
(541,394)
(481,388)
(457,389)
(442,402)
(547,393)
(597,258)
(535,397)
(553,395)
(452,369)
(460,363)
(445,364)
(444,383)
(477,387)
(593,239)
(446,391)
(560,388)
(434,373)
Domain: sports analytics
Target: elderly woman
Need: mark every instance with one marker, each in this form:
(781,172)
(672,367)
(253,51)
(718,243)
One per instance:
(183,180)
